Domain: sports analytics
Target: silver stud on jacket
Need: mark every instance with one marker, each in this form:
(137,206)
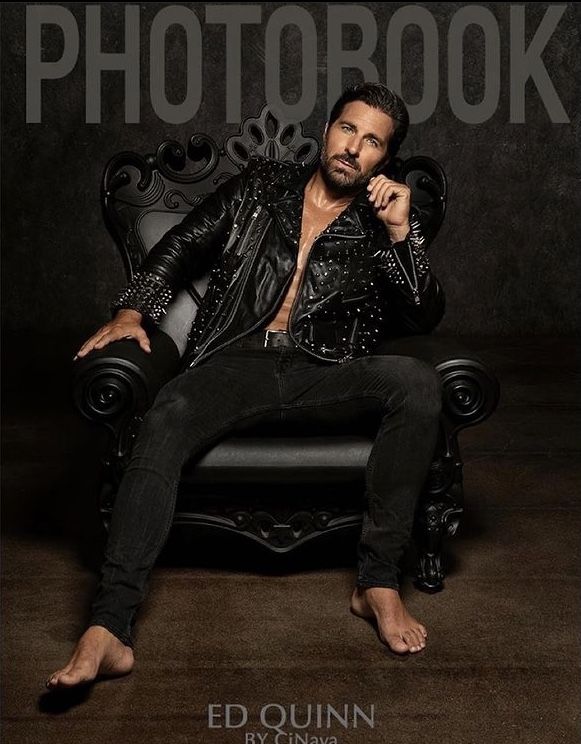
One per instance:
(147,293)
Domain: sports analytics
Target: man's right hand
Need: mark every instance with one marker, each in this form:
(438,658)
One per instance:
(125,324)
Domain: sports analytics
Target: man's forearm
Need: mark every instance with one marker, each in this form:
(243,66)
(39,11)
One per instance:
(404,260)
(415,294)
(183,250)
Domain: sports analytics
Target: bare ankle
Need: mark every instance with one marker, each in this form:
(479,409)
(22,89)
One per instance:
(102,634)
(379,592)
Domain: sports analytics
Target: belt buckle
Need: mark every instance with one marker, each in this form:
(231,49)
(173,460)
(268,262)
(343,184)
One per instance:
(266,335)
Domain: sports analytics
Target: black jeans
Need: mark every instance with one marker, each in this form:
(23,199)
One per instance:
(238,386)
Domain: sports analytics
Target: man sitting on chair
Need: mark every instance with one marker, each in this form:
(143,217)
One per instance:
(309,265)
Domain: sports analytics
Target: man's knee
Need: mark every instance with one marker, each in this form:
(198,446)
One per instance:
(425,389)
(420,385)
(169,422)
(179,397)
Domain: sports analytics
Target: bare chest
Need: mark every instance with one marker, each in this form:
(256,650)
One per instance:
(314,221)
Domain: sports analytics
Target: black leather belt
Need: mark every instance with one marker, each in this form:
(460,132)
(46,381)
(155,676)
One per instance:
(265,339)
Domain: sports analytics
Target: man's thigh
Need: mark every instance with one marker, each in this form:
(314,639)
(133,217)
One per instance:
(358,392)
(230,386)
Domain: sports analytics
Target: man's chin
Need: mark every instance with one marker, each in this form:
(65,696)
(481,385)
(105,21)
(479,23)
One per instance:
(343,181)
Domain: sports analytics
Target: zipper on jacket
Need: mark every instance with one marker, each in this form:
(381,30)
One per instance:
(252,328)
(237,303)
(256,325)
(413,289)
(236,226)
(233,235)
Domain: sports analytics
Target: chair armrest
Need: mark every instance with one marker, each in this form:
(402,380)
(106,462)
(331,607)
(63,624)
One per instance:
(121,379)
(470,389)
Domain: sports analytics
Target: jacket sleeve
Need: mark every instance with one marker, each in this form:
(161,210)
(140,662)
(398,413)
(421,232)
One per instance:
(414,295)
(186,248)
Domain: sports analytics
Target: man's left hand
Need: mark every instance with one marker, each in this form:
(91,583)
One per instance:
(391,201)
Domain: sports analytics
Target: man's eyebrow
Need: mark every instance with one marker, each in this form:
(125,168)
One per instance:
(354,126)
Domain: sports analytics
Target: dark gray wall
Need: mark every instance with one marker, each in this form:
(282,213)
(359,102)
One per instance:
(508,254)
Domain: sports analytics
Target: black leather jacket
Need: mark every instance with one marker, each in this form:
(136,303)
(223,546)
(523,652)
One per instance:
(356,289)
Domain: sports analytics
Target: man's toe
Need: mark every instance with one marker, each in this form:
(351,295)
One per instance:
(70,679)
(411,639)
(419,638)
(54,678)
(397,644)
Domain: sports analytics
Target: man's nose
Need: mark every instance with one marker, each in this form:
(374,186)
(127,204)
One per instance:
(353,148)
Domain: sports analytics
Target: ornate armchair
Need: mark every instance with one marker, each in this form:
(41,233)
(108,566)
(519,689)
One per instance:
(280,489)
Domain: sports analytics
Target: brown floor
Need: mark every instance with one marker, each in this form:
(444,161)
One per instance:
(503,661)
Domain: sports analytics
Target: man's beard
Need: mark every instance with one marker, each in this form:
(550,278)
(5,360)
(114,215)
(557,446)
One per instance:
(346,182)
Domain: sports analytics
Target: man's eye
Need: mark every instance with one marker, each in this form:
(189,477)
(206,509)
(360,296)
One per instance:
(346,126)
(374,142)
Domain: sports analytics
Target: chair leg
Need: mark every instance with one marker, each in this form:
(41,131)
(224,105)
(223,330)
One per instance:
(439,514)
(429,538)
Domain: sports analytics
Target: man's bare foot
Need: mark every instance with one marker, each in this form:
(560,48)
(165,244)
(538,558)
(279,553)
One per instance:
(98,652)
(396,627)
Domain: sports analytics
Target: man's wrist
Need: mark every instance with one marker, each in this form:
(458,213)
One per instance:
(129,314)
(398,233)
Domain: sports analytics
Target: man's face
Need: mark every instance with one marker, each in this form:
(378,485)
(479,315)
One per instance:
(355,147)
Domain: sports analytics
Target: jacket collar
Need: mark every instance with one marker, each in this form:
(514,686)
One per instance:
(286,198)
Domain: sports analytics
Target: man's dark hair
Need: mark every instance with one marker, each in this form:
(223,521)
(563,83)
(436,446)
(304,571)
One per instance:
(380,97)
